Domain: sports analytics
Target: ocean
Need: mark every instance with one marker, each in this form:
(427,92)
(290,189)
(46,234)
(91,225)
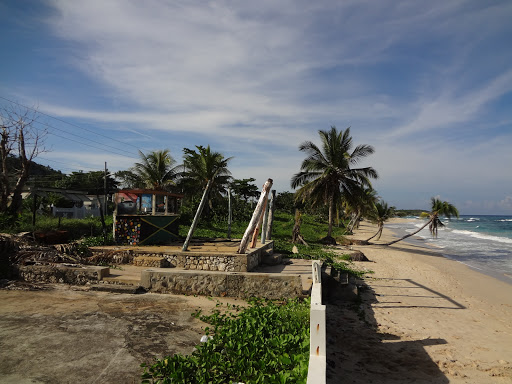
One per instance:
(483,243)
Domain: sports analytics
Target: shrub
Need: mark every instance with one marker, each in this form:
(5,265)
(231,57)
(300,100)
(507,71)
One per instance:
(266,342)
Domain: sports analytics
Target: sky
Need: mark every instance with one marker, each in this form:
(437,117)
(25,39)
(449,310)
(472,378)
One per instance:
(427,83)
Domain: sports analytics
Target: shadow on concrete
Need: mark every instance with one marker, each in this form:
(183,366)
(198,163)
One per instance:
(358,353)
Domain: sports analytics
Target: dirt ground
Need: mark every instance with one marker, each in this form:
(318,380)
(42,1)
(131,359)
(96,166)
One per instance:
(63,334)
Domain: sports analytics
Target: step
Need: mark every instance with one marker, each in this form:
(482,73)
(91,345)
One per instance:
(117,288)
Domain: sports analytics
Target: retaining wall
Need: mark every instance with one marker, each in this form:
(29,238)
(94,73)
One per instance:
(208,283)
(61,274)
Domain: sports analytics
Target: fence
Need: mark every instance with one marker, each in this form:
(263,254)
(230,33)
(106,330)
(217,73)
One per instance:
(75,212)
(317,333)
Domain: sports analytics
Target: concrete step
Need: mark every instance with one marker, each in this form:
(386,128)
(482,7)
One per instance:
(117,288)
(274,259)
(112,280)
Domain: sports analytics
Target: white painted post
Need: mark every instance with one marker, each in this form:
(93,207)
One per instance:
(265,223)
(271,214)
(317,368)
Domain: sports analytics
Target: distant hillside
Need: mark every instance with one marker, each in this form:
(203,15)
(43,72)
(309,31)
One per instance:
(40,175)
(408,212)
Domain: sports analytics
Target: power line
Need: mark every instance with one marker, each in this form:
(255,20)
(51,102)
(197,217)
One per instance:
(89,145)
(67,163)
(85,138)
(67,122)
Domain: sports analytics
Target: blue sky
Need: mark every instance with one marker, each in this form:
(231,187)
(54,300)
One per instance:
(428,84)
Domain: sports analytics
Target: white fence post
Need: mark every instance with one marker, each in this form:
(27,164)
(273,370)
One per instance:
(317,330)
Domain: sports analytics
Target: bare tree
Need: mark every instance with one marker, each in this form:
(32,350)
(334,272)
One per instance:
(21,142)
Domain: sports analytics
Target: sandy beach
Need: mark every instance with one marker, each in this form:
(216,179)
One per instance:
(422,319)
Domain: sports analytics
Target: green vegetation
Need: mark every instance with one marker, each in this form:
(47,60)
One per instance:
(408,212)
(77,228)
(267,342)
(327,177)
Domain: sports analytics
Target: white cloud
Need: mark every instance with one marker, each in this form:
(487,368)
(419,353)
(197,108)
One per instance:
(416,80)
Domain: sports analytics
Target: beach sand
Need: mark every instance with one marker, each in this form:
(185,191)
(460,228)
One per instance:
(422,318)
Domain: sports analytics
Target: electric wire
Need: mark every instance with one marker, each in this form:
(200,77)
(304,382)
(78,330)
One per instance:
(85,138)
(67,122)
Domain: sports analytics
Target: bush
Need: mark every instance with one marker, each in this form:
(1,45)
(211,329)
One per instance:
(264,343)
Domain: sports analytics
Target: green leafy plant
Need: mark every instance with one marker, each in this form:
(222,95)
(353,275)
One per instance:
(267,342)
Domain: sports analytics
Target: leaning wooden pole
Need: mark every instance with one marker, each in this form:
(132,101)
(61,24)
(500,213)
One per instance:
(260,222)
(255,217)
(271,209)
(197,216)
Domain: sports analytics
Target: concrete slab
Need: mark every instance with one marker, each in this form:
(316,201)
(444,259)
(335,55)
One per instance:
(63,334)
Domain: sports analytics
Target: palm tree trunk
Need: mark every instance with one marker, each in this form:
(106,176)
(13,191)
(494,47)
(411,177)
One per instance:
(331,216)
(410,234)
(376,233)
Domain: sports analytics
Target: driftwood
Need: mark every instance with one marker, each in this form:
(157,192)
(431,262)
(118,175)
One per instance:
(258,211)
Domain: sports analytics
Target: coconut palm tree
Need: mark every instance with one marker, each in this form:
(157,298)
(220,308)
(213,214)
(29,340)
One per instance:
(157,170)
(379,215)
(202,165)
(438,208)
(326,174)
(359,205)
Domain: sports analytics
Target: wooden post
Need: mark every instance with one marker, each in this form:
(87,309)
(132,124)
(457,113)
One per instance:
(271,214)
(255,217)
(34,209)
(196,217)
(105,191)
(263,221)
(166,205)
(153,204)
(229,213)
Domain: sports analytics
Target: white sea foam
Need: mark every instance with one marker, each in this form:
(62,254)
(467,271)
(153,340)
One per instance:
(483,237)
(505,220)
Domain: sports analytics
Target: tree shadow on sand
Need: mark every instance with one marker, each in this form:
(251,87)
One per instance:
(358,353)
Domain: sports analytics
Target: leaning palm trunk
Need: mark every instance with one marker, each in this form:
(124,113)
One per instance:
(410,234)
(354,221)
(378,233)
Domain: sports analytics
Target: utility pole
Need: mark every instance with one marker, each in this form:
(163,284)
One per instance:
(105,191)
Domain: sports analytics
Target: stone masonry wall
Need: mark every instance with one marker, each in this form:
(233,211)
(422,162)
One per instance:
(61,274)
(243,285)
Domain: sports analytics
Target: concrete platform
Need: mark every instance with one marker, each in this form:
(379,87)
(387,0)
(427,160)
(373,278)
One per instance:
(218,255)
(131,275)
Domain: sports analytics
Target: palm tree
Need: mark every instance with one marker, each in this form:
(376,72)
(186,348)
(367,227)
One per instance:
(203,165)
(157,170)
(359,204)
(326,174)
(379,215)
(438,208)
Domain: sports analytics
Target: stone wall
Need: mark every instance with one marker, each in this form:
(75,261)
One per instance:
(211,262)
(243,285)
(61,274)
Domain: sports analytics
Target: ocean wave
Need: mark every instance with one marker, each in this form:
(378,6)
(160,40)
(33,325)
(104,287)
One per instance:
(471,219)
(483,236)
(504,220)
